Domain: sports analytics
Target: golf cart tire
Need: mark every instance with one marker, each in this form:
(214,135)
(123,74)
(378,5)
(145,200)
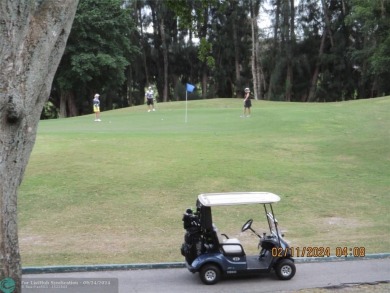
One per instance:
(285,269)
(210,274)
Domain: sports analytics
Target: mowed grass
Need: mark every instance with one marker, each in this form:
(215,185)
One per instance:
(115,191)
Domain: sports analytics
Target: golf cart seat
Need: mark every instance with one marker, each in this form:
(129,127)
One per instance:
(229,246)
(232,247)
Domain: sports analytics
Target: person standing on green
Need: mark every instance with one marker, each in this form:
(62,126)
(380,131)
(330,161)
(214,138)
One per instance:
(96,107)
(150,99)
(247,103)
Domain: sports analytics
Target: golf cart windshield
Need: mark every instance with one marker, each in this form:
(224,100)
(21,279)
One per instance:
(272,222)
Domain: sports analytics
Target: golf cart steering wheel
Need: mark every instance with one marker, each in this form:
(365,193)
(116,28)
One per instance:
(247,225)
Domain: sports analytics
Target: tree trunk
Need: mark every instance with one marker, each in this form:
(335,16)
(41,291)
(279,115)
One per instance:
(327,31)
(204,82)
(129,88)
(63,109)
(138,17)
(68,106)
(289,35)
(33,36)
(165,58)
(289,81)
(276,49)
(237,91)
(156,55)
(313,85)
(255,5)
(202,34)
(327,22)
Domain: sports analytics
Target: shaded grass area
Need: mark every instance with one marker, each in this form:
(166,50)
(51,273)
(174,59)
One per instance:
(115,191)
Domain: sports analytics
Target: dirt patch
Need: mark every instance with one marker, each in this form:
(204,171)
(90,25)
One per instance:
(338,222)
(31,239)
(84,241)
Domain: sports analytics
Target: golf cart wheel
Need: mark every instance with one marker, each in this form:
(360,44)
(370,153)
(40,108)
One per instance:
(285,269)
(210,274)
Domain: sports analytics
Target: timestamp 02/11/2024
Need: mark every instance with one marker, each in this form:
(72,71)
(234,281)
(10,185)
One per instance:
(318,251)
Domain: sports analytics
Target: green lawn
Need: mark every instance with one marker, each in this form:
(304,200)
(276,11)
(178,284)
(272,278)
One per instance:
(115,191)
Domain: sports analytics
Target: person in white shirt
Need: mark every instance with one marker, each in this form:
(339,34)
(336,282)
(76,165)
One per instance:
(149,95)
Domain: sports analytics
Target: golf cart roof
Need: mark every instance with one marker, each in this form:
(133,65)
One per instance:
(237,198)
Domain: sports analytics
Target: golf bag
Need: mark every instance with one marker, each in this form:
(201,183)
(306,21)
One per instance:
(192,246)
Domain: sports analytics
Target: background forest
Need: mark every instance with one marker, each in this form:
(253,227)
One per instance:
(284,50)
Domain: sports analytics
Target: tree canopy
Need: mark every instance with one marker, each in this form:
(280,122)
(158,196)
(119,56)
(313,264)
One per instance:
(96,56)
(311,50)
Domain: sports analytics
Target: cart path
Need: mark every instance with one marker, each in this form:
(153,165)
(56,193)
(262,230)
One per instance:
(354,276)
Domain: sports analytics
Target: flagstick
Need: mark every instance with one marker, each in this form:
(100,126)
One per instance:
(186,108)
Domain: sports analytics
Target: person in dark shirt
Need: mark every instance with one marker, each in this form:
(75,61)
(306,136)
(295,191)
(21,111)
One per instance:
(247,103)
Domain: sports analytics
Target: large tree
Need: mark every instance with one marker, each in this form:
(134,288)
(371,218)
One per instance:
(33,36)
(370,29)
(96,56)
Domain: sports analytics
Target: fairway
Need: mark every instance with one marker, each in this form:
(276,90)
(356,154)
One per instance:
(114,191)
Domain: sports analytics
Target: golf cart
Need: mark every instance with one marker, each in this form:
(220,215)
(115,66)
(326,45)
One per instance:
(214,255)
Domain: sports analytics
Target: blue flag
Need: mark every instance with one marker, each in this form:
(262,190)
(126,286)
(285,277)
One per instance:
(190,88)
